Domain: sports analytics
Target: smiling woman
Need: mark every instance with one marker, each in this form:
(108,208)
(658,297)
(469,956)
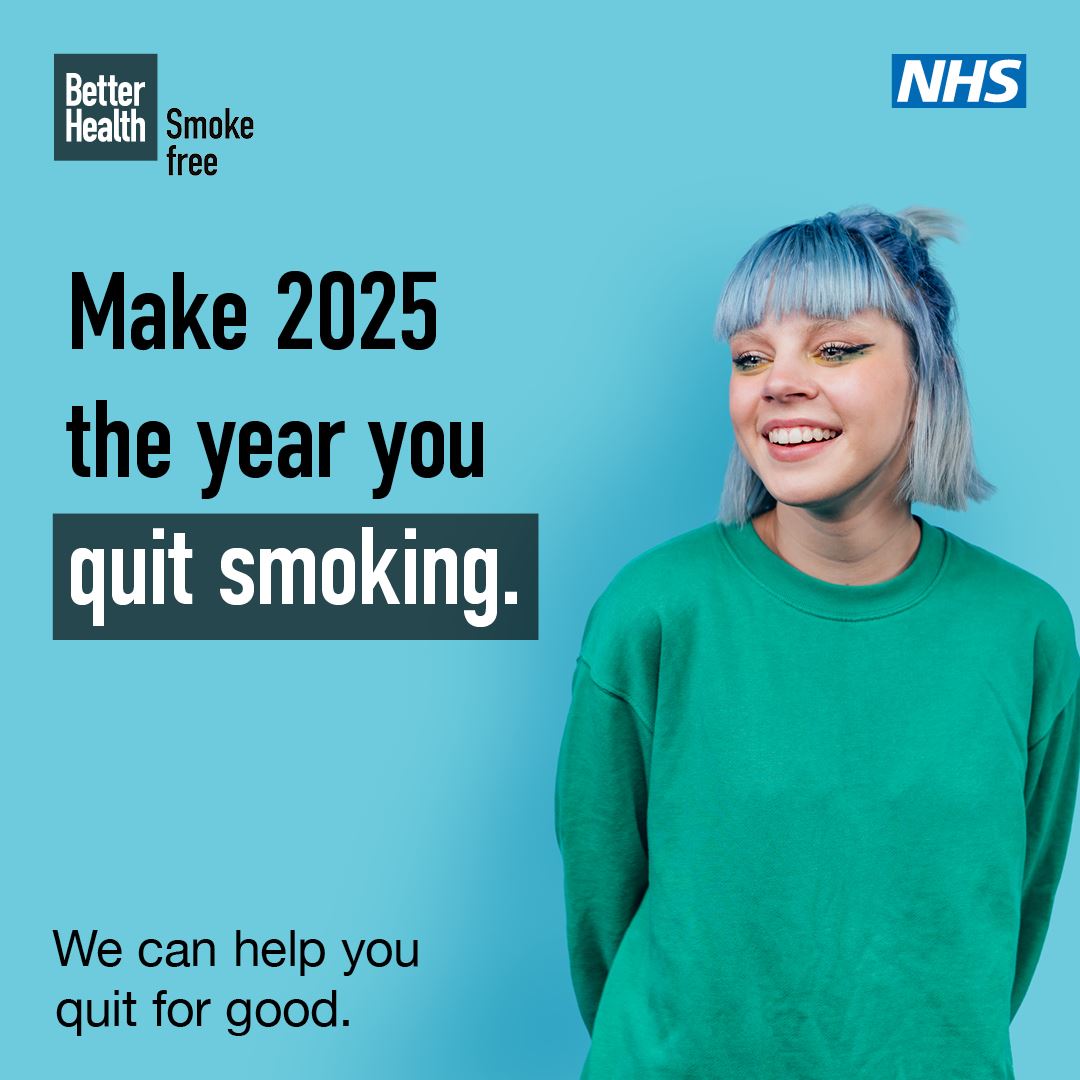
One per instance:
(831,287)
(796,375)
(834,852)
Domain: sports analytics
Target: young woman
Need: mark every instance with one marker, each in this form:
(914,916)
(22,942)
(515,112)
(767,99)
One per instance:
(821,758)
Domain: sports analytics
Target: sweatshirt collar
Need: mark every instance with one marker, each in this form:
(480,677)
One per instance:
(828,599)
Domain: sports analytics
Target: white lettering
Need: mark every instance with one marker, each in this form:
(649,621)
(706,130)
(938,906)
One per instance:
(229,559)
(348,576)
(95,559)
(371,575)
(288,560)
(913,71)
(973,81)
(1011,86)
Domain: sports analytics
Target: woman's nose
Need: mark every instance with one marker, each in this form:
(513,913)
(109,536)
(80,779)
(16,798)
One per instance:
(789,373)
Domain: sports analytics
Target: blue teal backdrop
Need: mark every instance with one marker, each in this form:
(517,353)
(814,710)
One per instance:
(582,178)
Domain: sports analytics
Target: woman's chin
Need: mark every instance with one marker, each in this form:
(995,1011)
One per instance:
(806,493)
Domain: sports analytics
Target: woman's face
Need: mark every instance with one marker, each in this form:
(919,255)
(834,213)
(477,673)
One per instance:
(847,376)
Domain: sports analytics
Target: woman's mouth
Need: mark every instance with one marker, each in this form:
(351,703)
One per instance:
(811,443)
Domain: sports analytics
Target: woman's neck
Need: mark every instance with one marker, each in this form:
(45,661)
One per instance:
(867,547)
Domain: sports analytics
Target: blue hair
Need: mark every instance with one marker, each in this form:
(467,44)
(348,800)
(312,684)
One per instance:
(832,266)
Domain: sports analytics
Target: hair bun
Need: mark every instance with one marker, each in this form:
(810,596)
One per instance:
(924,223)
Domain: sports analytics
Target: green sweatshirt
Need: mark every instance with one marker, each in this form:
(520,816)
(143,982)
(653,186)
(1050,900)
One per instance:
(814,831)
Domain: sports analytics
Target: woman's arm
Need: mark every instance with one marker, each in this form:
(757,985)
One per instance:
(600,823)
(1050,796)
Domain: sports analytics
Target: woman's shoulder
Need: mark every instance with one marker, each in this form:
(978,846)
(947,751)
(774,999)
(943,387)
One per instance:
(1040,611)
(977,566)
(659,570)
(1013,598)
(627,623)
(636,596)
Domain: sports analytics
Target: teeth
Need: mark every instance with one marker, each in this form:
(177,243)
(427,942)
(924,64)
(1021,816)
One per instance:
(788,436)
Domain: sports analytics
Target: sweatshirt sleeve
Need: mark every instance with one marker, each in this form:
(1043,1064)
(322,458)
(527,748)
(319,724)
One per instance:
(600,824)
(1050,797)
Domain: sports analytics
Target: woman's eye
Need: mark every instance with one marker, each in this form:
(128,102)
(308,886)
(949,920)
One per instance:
(839,352)
(747,362)
(833,352)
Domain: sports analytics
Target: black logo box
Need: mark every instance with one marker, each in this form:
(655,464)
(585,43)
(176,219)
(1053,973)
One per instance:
(127,67)
(515,536)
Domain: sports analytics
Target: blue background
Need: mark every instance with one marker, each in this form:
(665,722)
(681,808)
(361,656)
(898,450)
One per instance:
(582,179)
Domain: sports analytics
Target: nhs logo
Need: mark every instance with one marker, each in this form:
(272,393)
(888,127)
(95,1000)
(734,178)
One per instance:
(959,80)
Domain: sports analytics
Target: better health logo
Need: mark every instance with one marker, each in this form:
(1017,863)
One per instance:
(959,80)
(105,106)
